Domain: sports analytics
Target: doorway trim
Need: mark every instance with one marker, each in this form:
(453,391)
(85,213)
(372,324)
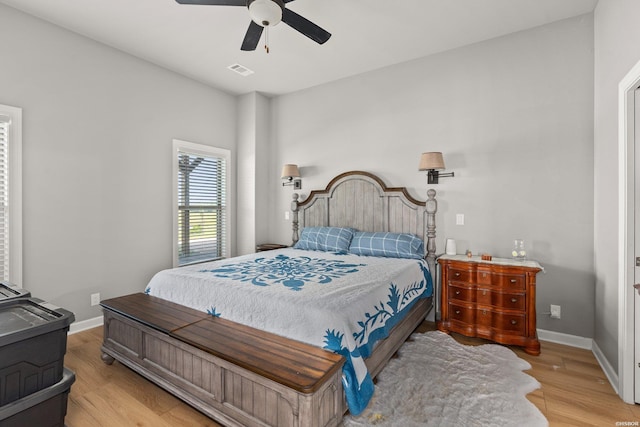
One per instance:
(626,194)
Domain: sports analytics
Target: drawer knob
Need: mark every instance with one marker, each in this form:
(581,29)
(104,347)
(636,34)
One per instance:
(457,274)
(513,281)
(484,292)
(457,311)
(514,300)
(457,292)
(484,312)
(514,322)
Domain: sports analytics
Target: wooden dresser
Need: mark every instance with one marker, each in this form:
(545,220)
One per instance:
(493,299)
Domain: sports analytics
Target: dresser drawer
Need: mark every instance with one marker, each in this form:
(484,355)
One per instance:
(514,324)
(509,281)
(459,275)
(508,301)
(485,276)
(501,280)
(462,314)
(484,318)
(458,293)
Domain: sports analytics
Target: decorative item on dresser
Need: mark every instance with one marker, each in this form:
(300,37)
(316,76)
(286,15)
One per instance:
(493,299)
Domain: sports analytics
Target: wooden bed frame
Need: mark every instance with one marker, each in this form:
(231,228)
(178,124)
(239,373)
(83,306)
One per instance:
(240,376)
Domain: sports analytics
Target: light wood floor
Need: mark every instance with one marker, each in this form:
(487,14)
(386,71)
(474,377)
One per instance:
(574,390)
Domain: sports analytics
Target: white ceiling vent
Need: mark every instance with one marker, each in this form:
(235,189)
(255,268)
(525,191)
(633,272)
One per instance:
(240,69)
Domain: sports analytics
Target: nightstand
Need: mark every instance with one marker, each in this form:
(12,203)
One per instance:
(269,247)
(493,299)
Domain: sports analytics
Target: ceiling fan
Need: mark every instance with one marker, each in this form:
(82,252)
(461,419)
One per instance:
(267,13)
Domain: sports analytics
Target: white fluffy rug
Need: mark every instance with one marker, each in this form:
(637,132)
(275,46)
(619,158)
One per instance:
(436,381)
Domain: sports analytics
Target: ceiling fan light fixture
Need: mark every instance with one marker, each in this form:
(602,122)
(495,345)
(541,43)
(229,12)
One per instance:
(266,13)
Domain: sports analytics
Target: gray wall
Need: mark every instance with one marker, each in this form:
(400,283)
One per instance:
(514,118)
(97,133)
(617,50)
(255,177)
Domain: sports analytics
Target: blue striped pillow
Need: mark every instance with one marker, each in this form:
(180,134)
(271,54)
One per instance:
(335,239)
(390,245)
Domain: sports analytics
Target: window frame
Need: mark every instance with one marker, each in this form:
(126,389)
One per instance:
(15,191)
(206,151)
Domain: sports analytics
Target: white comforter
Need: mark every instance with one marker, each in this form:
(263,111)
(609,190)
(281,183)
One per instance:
(344,303)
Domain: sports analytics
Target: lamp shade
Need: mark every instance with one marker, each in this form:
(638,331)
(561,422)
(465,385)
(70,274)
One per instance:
(290,171)
(265,12)
(431,160)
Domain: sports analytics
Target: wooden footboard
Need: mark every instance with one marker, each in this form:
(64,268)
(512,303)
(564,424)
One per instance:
(252,379)
(249,378)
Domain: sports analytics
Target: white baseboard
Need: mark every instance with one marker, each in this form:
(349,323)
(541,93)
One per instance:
(566,339)
(611,374)
(83,325)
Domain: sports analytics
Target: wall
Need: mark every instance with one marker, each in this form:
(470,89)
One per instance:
(617,50)
(246,173)
(98,126)
(254,173)
(514,118)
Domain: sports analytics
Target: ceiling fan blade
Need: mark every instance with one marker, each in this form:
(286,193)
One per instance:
(215,2)
(251,39)
(305,26)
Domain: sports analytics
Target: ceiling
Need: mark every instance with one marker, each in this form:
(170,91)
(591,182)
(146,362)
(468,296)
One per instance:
(202,41)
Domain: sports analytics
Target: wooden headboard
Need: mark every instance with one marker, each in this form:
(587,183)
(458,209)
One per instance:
(361,200)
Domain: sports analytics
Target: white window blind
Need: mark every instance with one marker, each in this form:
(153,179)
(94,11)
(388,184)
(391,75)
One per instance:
(201,204)
(4,197)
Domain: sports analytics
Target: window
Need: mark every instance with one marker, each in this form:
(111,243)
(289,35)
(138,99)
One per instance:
(11,194)
(200,203)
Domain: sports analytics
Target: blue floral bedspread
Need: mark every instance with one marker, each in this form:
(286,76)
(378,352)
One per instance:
(344,303)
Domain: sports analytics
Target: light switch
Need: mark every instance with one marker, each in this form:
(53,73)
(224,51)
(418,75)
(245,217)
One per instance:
(459,219)
(286,215)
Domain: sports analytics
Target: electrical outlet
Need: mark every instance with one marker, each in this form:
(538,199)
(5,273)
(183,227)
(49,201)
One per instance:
(555,311)
(95,299)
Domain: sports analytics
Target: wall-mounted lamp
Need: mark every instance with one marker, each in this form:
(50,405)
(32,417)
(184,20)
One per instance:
(433,163)
(292,175)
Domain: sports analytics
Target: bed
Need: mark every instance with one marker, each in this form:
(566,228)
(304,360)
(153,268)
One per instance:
(277,347)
